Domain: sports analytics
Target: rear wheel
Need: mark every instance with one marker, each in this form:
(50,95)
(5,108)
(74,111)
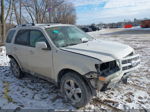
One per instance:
(15,69)
(75,89)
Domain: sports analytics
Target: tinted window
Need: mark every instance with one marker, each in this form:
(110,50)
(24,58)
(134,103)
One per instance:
(10,36)
(37,36)
(22,37)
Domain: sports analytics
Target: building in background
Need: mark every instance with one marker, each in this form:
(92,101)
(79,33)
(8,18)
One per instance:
(145,23)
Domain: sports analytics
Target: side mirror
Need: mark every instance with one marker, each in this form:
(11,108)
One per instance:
(41,46)
(84,40)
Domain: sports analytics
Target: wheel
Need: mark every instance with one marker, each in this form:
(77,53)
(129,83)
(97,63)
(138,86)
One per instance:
(15,69)
(75,90)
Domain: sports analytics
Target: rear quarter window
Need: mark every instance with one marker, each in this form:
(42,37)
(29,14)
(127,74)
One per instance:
(10,36)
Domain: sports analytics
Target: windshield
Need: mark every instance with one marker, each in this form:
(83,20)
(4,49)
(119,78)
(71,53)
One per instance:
(63,36)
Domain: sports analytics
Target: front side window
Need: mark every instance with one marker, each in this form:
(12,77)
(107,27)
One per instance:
(63,36)
(37,36)
(10,36)
(22,37)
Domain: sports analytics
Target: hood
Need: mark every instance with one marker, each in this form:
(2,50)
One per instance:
(101,49)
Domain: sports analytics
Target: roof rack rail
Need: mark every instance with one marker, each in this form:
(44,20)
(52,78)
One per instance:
(33,24)
(47,24)
(29,24)
(22,25)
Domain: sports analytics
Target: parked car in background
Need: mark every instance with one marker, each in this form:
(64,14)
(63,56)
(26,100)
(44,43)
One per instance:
(94,27)
(128,26)
(86,29)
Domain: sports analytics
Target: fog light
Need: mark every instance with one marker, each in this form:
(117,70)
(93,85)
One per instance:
(102,78)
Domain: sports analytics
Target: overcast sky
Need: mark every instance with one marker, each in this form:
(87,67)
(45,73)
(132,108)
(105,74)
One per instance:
(96,11)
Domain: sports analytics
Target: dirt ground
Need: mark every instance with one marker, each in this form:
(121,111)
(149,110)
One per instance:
(136,94)
(35,93)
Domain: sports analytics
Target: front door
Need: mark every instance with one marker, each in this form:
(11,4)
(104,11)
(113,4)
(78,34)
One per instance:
(40,61)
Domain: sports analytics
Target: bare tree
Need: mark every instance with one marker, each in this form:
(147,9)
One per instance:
(2,21)
(44,11)
(36,11)
(66,14)
(20,6)
(15,11)
(9,9)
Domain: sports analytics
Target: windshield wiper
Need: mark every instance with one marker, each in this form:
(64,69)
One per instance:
(69,44)
(72,44)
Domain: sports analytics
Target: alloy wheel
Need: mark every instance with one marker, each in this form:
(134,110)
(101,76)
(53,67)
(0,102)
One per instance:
(72,91)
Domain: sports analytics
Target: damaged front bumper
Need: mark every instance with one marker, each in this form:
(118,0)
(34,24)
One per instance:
(126,65)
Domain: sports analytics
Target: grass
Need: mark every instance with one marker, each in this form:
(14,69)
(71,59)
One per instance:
(6,92)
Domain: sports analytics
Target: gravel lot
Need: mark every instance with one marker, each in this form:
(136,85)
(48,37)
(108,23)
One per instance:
(35,93)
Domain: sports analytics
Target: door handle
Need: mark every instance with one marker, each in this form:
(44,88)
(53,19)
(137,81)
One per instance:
(31,52)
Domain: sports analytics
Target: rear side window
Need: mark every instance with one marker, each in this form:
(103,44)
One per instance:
(22,37)
(10,36)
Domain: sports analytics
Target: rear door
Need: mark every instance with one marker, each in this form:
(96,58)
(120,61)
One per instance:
(20,48)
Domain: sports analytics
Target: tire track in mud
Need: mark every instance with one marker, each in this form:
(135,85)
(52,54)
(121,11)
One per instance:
(137,87)
(105,102)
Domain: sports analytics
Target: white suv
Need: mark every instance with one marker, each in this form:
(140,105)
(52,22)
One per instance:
(79,64)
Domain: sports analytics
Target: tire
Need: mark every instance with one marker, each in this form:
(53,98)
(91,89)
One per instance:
(16,69)
(75,90)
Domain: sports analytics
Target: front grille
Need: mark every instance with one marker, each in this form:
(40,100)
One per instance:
(130,66)
(130,62)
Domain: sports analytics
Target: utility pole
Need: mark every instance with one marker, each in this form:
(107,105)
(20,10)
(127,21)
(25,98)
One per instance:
(2,21)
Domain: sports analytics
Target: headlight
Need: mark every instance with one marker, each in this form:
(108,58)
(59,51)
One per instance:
(108,68)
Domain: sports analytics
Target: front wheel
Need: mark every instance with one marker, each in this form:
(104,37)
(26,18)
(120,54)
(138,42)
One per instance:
(75,89)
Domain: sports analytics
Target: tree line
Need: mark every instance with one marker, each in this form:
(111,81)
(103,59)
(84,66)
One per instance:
(35,11)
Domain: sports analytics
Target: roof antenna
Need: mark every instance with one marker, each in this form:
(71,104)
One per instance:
(33,24)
